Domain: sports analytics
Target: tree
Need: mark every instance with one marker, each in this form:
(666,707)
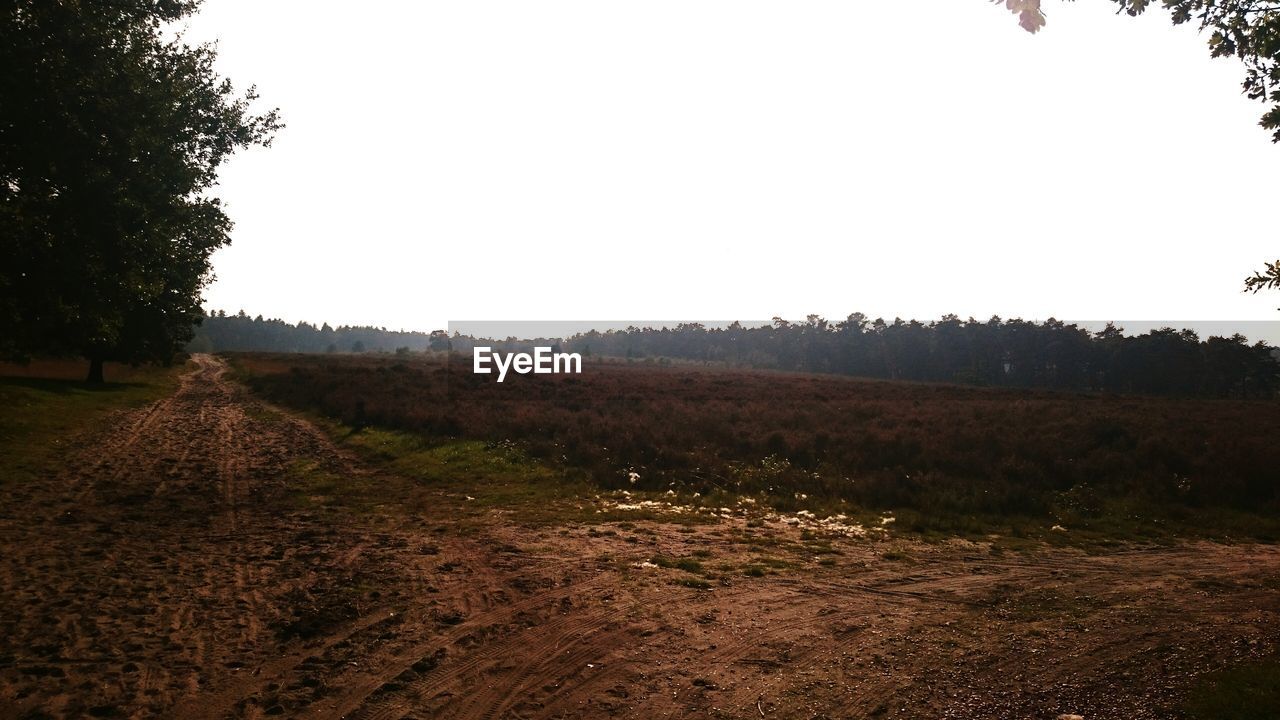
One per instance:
(439,340)
(111,135)
(1269,278)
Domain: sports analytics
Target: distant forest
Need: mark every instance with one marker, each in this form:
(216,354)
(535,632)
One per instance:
(995,352)
(220,332)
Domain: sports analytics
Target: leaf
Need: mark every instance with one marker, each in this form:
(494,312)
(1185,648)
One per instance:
(1030,18)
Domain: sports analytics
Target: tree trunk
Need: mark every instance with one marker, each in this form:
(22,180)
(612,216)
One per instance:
(95,371)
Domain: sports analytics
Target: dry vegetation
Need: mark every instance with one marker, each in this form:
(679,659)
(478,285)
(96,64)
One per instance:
(945,458)
(214,556)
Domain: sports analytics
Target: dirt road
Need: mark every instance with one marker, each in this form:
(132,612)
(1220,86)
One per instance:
(171,572)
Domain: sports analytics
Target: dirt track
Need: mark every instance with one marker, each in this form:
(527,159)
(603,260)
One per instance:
(167,573)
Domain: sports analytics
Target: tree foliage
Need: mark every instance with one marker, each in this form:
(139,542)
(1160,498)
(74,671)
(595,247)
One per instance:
(1030,17)
(112,131)
(1268,278)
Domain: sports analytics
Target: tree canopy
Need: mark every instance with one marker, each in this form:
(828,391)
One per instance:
(112,130)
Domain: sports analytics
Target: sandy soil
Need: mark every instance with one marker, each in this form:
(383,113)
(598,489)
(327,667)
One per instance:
(168,574)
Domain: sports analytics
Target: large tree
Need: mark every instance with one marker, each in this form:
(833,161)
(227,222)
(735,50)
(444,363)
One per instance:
(112,129)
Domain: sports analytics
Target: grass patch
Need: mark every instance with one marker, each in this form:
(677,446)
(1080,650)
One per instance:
(687,564)
(765,565)
(474,477)
(39,415)
(316,488)
(1250,691)
(263,413)
(695,583)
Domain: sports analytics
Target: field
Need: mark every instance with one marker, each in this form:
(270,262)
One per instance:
(941,458)
(386,539)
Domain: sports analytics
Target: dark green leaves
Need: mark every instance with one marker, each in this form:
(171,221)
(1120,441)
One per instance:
(111,133)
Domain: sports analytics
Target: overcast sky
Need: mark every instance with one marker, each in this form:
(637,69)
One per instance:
(721,159)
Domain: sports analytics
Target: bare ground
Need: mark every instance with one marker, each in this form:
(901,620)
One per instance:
(168,573)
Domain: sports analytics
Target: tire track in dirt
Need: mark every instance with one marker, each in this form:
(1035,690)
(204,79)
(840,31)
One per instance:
(166,573)
(365,702)
(156,567)
(566,648)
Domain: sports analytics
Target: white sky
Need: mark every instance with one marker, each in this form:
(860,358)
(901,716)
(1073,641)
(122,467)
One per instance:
(721,159)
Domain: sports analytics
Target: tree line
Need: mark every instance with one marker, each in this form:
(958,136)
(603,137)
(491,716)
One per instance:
(222,332)
(995,352)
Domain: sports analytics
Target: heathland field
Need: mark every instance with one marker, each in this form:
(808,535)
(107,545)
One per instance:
(389,537)
(939,457)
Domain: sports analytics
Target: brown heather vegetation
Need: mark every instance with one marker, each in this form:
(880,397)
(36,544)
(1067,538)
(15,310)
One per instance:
(174,547)
(946,455)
